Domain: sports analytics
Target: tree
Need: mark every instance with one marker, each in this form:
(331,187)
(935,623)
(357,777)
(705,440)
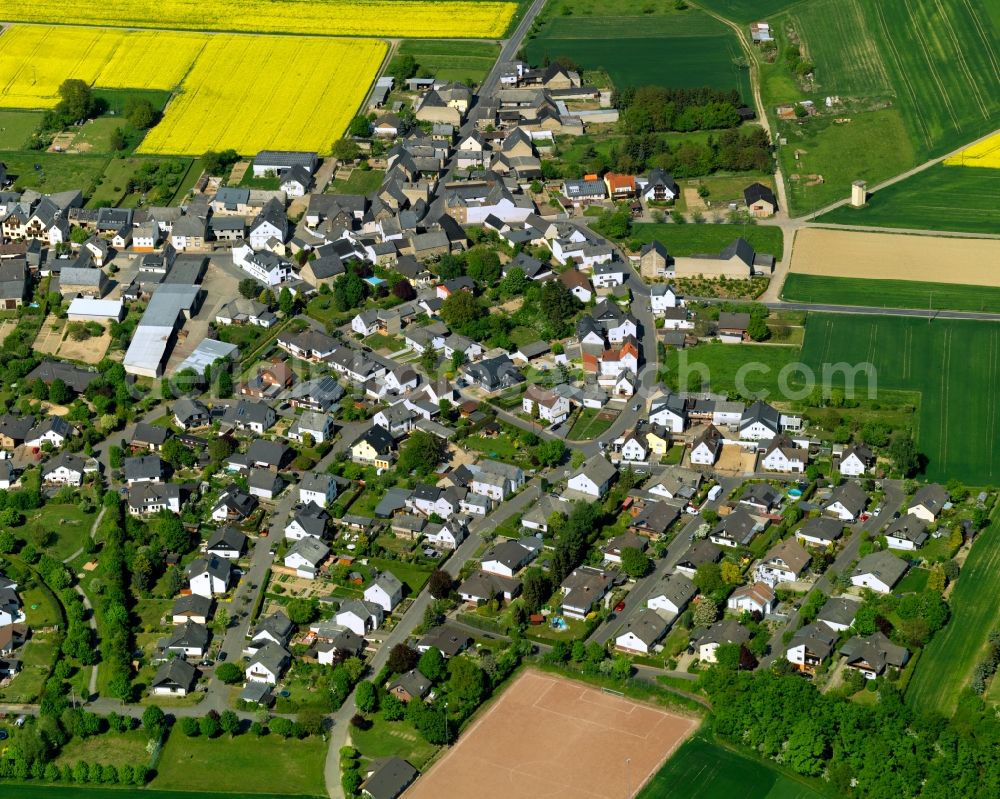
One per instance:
(286,302)
(514,282)
(229,722)
(190,726)
(59,392)
(349,291)
(248,288)
(229,673)
(757,329)
(422,453)
(705,612)
(708,578)
(432,664)
(483,265)
(76,100)
(282,726)
(440,584)
(301,610)
(460,309)
(402,68)
(904,453)
(535,589)
(140,112)
(153,721)
(117,141)
(310,721)
(392,708)
(345,150)
(216,163)
(366,696)
(550,452)
(209,725)
(730,573)
(467,685)
(225,384)
(404,290)
(360,126)
(635,562)
(402,658)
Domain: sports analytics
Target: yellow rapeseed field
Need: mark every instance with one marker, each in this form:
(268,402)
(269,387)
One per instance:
(402,18)
(257,92)
(35,59)
(985,154)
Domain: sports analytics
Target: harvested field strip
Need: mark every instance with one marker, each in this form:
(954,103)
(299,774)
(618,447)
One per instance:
(841,253)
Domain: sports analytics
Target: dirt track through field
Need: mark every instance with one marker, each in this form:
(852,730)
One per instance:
(555,738)
(888,256)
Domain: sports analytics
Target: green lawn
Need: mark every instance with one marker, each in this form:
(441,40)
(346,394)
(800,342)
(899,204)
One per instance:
(269,765)
(873,146)
(468,62)
(413,575)
(947,663)
(664,47)
(913,582)
(114,749)
(70,524)
(379,341)
(361,181)
(719,365)
(703,769)
(59,171)
(954,364)
(37,660)
(113,187)
(957,198)
(681,240)
(889,293)
(16,128)
(116,99)
(502,448)
(587,426)
(393,739)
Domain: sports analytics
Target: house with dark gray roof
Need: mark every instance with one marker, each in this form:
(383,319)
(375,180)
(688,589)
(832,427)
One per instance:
(871,655)
(642,632)
(176,677)
(387,778)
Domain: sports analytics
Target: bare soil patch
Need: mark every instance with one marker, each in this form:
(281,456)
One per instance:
(551,737)
(890,256)
(49,336)
(90,350)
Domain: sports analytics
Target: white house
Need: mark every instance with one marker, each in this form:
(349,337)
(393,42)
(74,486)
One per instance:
(268,664)
(552,408)
(756,598)
(783,563)
(320,489)
(722,632)
(906,533)
(856,461)
(593,478)
(209,576)
(879,571)
(65,468)
(386,592)
(610,273)
(642,632)
(707,447)
(445,536)
(359,616)
(671,594)
(669,411)
(663,296)
(305,557)
(783,455)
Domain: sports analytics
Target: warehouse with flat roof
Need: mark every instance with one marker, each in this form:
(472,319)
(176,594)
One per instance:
(170,306)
